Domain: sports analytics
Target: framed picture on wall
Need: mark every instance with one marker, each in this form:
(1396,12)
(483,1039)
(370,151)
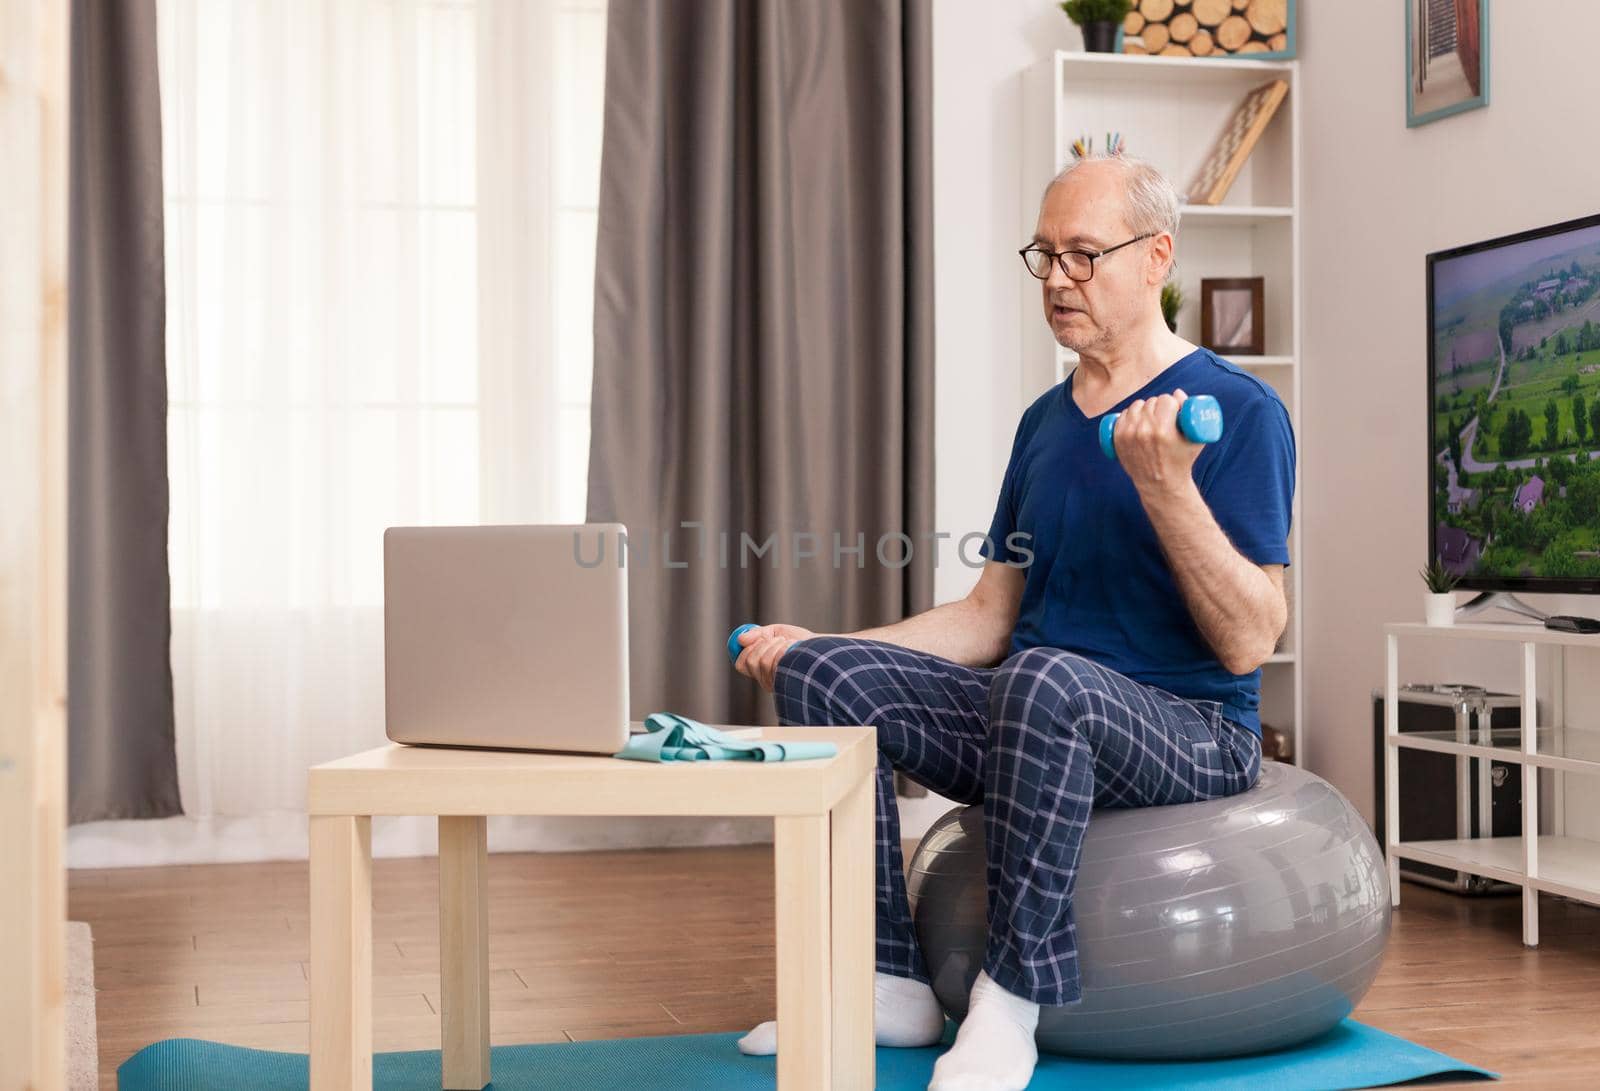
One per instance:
(1447,58)
(1231,315)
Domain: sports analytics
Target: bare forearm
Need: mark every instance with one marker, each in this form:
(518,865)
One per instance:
(1238,608)
(965,631)
(975,631)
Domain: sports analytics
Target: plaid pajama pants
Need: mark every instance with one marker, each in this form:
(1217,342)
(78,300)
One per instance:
(1040,741)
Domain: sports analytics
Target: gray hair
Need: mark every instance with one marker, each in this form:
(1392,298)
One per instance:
(1153,205)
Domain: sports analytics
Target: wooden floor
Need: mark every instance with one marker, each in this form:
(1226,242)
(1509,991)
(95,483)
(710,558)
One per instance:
(597,945)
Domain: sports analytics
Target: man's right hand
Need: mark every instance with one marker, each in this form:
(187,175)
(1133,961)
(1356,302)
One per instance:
(763,647)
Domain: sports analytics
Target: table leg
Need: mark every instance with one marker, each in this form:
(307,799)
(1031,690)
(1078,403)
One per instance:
(853,876)
(1530,795)
(801,849)
(464,950)
(341,952)
(1391,765)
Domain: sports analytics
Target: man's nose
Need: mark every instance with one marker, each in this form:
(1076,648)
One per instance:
(1058,279)
(1061,288)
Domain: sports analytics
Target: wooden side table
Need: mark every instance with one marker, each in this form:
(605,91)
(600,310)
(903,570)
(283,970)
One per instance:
(822,840)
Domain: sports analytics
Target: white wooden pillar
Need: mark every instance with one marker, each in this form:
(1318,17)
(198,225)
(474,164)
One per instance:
(33,360)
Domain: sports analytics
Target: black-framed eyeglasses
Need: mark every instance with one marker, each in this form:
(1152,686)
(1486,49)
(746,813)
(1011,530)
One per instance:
(1078,265)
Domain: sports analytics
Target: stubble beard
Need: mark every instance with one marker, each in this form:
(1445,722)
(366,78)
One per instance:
(1080,341)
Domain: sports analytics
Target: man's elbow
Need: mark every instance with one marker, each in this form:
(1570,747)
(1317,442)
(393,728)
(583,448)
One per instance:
(1243,662)
(1251,650)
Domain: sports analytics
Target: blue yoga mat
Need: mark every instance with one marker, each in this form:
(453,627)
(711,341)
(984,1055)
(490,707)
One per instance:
(1349,1056)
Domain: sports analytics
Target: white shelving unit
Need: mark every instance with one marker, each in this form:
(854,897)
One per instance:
(1169,111)
(1535,861)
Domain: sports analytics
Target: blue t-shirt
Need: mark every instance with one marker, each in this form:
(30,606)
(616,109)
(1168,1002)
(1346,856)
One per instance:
(1098,583)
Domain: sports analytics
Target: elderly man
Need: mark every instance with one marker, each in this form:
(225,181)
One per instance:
(1129,605)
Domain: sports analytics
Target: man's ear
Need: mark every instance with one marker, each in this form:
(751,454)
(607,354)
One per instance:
(1160,259)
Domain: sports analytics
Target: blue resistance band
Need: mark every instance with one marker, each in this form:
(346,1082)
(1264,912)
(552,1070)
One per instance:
(670,737)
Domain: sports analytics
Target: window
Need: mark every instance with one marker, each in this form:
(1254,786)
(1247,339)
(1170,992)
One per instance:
(380,223)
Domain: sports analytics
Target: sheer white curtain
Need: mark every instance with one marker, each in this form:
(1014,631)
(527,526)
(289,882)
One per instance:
(380,234)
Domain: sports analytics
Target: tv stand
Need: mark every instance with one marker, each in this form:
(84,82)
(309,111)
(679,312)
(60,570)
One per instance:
(1553,863)
(1504,600)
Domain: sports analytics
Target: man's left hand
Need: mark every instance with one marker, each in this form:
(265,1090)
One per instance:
(1157,456)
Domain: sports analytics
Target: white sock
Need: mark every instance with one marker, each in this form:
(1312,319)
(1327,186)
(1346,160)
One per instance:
(905,1014)
(994,1048)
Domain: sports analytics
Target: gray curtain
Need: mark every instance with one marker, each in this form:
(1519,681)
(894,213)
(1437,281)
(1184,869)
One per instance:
(763,327)
(122,763)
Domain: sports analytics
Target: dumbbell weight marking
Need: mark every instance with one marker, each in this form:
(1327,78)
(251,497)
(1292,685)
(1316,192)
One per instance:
(1199,419)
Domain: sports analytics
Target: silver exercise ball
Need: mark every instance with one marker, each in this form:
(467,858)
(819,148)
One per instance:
(1209,929)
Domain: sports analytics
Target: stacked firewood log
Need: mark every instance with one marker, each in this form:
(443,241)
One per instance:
(1204,28)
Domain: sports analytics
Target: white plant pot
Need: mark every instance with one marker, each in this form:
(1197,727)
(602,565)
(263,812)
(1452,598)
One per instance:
(1439,609)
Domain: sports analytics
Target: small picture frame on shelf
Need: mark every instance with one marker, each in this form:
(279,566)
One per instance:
(1231,315)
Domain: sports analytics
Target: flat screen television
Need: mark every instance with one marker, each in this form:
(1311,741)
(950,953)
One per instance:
(1514,410)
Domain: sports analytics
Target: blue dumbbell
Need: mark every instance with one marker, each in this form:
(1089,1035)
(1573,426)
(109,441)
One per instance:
(1199,419)
(734,647)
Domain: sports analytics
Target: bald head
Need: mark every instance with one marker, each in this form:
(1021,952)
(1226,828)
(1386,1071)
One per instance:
(1149,202)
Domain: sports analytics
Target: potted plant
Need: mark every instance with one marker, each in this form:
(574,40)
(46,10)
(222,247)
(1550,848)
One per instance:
(1099,20)
(1439,608)
(1171,304)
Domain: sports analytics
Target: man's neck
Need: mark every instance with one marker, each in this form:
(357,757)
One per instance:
(1108,373)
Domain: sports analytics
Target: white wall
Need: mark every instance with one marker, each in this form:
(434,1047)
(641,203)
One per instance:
(1378,197)
(979,54)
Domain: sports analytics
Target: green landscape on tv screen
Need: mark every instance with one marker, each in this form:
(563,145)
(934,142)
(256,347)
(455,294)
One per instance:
(1516,408)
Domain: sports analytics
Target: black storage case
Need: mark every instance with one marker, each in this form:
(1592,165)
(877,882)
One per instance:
(1428,799)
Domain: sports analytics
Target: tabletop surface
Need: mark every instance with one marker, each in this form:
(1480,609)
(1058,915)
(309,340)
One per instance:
(421,780)
(397,757)
(1522,632)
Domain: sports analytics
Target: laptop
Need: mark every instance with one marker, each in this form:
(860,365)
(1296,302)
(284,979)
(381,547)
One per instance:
(511,637)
